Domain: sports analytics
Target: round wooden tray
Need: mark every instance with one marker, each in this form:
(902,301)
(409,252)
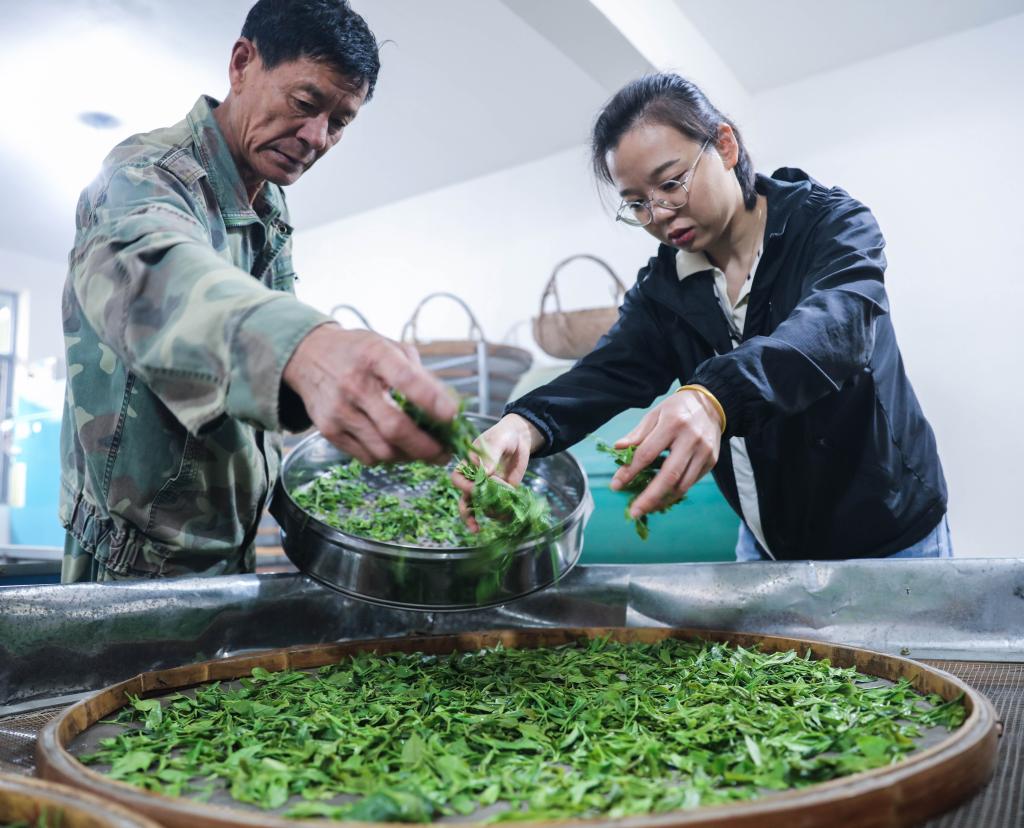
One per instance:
(926,782)
(25,800)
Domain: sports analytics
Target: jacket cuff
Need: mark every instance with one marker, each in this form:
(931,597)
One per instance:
(538,422)
(261,347)
(730,396)
(291,411)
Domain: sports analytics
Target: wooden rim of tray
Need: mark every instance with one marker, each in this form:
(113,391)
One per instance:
(925,783)
(24,799)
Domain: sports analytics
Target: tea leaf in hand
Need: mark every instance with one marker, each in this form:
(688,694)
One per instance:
(643,478)
(456,437)
(506,514)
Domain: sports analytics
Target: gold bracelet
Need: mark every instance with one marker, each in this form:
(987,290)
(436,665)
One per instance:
(700,389)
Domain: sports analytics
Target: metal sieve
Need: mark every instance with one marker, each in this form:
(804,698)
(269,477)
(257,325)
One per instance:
(430,577)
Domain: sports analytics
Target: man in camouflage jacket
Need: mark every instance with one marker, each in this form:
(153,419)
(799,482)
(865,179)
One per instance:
(187,352)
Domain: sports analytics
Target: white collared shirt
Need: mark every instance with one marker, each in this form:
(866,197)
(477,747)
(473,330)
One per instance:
(735,313)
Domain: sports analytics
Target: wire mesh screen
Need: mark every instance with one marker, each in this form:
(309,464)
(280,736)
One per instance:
(1001,803)
(18,739)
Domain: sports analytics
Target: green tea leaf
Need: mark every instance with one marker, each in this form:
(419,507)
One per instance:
(643,478)
(594,729)
(128,763)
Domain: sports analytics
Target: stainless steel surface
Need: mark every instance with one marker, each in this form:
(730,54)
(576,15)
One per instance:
(29,572)
(21,552)
(58,640)
(425,577)
(963,608)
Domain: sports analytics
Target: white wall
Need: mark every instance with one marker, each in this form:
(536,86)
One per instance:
(930,139)
(38,284)
(493,241)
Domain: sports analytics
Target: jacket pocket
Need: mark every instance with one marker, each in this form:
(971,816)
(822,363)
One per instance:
(174,503)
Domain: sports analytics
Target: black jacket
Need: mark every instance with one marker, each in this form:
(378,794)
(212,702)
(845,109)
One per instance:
(844,460)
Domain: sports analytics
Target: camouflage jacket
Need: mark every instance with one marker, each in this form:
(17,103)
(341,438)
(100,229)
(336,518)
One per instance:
(179,317)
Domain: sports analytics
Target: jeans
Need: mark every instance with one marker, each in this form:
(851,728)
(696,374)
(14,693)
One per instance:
(936,544)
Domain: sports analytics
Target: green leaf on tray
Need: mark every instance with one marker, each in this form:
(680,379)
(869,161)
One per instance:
(591,729)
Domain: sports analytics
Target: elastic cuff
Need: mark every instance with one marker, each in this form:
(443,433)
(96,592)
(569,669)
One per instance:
(732,396)
(262,346)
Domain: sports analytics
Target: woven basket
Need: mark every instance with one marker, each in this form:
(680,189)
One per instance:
(482,372)
(573,334)
(354,311)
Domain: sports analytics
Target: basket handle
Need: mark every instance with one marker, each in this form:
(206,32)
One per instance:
(551,289)
(409,333)
(354,311)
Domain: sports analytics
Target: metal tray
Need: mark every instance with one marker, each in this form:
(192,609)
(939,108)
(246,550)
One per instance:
(421,577)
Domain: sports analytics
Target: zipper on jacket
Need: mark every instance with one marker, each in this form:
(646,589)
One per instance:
(250,536)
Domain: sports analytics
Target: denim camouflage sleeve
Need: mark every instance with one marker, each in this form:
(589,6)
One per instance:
(204,335)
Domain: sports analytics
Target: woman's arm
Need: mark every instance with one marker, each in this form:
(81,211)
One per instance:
(826,340)
(630,366)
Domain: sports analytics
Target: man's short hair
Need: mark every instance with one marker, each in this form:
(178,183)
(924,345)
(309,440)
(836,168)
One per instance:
(323,30)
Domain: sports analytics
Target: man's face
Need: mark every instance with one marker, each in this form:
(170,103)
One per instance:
(284,119)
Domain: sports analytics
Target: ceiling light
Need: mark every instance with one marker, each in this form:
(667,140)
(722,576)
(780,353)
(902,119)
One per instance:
(99,120)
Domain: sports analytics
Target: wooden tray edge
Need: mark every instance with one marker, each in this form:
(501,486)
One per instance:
(886,796)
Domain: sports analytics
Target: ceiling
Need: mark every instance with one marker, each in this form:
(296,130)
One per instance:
(769,44)
(467,87)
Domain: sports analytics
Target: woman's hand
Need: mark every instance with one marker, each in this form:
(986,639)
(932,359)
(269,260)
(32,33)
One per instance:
(505,449)
(689,426)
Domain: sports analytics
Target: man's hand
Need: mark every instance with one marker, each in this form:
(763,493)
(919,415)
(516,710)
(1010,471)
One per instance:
(505,450)
(686,424)
(345,379)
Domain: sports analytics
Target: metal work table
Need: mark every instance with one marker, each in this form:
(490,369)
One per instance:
(965,615)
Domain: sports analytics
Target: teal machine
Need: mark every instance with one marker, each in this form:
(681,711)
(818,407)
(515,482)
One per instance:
(702,527)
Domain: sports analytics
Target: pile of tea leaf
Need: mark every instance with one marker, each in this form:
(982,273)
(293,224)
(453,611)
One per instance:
(341,498)
(506,515)
(592,729)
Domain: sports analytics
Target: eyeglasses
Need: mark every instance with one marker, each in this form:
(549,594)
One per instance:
(677,190)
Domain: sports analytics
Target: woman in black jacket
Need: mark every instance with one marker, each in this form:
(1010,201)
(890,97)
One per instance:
(766,299)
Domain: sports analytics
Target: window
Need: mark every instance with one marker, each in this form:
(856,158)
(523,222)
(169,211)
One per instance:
(8,337)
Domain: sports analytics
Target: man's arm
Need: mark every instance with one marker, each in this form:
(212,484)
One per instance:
(205,336)
(210,340)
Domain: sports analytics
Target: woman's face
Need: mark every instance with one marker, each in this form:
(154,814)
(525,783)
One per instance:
(649,155)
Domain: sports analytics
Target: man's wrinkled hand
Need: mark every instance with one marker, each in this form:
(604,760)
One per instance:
(345,380)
